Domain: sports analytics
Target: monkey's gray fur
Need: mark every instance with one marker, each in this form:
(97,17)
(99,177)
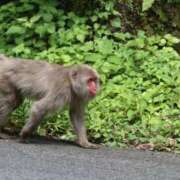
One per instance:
(53,86)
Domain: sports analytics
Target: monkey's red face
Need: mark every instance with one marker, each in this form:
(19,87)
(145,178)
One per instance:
(92,86)
(85,82)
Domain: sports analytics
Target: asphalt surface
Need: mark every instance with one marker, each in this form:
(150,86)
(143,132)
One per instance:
(53,160)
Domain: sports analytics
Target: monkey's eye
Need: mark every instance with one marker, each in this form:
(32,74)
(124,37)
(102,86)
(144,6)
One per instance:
(92,79)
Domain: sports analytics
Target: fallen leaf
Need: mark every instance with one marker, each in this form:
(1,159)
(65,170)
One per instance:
(147,146)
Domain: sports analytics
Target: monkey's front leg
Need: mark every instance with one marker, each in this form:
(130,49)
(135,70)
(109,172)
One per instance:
(77,118)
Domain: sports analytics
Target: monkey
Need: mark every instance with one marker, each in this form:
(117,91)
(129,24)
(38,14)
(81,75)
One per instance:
(51,86)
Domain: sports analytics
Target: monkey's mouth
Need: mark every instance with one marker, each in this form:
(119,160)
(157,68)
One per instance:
(92,88)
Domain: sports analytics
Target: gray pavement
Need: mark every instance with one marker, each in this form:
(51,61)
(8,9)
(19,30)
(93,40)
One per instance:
(53,160)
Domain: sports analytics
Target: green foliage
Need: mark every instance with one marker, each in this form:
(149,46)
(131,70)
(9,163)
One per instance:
(147,4)
(173,1)
(140,95)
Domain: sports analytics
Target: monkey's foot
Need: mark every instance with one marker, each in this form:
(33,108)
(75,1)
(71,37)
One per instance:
(9,131)
(24,137)
(6,133)
(88,145)
(5,136)
(24,140)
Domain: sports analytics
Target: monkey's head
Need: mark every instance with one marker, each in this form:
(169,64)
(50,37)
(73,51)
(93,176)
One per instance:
(84,81)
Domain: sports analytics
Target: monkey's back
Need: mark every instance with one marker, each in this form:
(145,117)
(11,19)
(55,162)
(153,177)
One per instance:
(31,77)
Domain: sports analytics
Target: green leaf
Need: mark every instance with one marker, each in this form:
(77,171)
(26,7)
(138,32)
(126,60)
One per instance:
(87,46)
(94,18)
(47,17)
(80,37)
(35,18)
(114,59)
(116,22)
(14,29)
(147,4)
(40,30)
(66,58)
(50,28)
(93,57)
(105,46)
(172,39)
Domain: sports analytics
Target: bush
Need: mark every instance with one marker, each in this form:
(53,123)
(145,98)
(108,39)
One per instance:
(140,97)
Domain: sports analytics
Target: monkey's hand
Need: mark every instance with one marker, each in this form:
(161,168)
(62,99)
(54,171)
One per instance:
(87,145)
(23,140)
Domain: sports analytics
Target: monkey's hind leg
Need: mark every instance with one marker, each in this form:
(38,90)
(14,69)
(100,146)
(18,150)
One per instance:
(38,111)
(5,110)
(8,102)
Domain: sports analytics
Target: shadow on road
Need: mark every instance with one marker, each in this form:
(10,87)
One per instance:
(34,139)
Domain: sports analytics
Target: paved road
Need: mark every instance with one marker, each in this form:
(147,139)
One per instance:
(52,160)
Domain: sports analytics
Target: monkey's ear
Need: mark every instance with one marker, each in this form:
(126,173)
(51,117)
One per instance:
(73,74)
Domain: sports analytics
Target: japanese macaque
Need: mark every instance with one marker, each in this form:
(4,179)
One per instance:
(52,86)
